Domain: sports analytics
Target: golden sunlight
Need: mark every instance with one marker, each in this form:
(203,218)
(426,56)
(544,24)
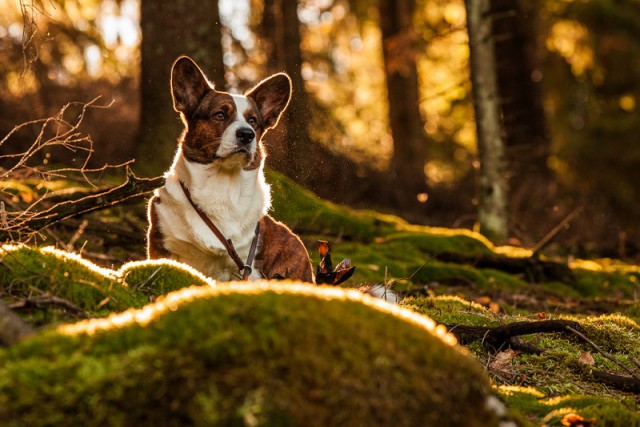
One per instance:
(173,300)
(570,40)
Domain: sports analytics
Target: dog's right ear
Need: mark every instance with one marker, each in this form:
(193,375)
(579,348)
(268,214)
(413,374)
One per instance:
(188,85)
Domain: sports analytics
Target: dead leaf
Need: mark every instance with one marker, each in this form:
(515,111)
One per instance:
(575,420)
(586,358)
(26,197)
(342,272)
(502,362)
(542,315)
(324,250)
(483,300)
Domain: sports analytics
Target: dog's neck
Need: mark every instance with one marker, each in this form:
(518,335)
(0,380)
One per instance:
(233,198)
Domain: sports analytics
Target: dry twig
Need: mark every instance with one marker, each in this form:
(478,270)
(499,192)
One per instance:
(20,222)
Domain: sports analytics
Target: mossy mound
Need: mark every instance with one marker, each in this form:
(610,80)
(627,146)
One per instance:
(54,284)
(562,370)
(302,210)
(26,270)
(379,244)
(246,354)
(382,247)
(159,277)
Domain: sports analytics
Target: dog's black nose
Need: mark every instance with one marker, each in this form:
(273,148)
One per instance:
(245,135)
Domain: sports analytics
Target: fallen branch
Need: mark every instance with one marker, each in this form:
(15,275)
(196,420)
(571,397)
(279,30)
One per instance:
(548,238)
(499,337)
(49,300)
(604,353)
(534,269)
(98,228)
(133,187)
(619,382)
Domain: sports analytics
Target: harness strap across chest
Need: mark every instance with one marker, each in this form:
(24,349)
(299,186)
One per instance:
(244,267)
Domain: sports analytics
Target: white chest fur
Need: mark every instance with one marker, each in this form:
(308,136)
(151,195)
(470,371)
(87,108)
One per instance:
(233,199)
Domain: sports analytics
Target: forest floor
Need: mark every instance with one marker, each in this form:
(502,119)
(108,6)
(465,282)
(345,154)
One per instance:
(588,364)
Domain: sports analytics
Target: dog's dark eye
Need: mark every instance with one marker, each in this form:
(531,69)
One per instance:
(252,120)
(220,116)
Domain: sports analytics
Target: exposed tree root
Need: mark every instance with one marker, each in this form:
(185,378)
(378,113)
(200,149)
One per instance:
(500,337)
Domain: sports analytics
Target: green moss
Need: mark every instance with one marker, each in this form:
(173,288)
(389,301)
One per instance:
(383,243)
(159,277)
(452,310)
(303,211)
(633,312)
(433,242)
(27,272)
(383,248)
(596,283)
(239,356)
(550,411)
(557,371)
(613,333)
(452,274)
(30,271)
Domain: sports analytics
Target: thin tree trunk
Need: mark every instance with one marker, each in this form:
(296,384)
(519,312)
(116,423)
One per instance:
(290,143)
(271,34)
(171,29)
(532,183)
(409,138)
(216,72)
(519,86)
(492,209)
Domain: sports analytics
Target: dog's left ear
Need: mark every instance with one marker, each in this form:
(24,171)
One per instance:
(272,97)
(188,85)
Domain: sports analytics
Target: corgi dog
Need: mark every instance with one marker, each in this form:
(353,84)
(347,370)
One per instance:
(212,212)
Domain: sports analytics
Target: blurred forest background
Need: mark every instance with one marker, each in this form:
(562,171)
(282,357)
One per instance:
(382,114)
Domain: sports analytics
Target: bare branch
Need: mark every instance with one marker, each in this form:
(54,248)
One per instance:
(133,187)
(21,219)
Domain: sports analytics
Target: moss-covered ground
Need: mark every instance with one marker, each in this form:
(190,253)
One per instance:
(544,388)
(559,380)
(239,354)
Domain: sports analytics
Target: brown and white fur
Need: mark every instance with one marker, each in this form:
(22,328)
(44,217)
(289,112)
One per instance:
(220,160)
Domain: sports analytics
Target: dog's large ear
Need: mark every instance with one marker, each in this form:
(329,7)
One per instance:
(188,85)
(272,97)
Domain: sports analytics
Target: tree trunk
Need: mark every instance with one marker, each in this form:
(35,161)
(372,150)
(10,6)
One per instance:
(290,143)
(531,181)
(171,29)
(519,85)
(271,33)
(409,139)
(492,212)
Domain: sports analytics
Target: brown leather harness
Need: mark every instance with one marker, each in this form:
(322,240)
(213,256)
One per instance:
(244,267)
